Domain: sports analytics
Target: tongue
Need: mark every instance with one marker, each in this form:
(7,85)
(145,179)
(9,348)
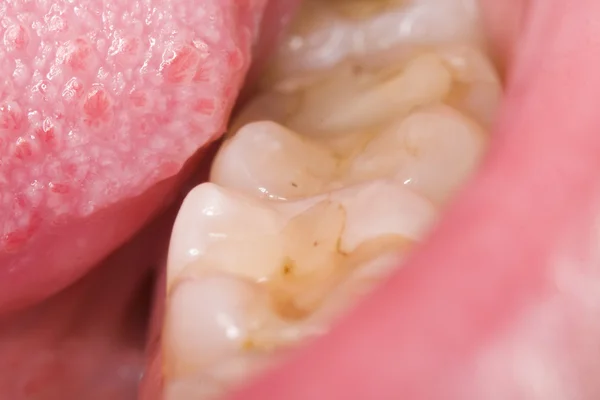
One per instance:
(502,300)
(101,106)
(88,340)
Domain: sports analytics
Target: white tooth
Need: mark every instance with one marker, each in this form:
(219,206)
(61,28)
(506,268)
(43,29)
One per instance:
(208,319)
(217,219)
(372,210)
(421,22)
(326,35)
(299,265)
(433,150)
(265,159)
(345,105)
(468,64)
(375,264)
(312,238)
(477,89)
(383,208)
(318,40)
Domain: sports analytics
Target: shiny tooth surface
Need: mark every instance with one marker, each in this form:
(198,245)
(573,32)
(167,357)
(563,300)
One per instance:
(324,36)
(372,210)
(269,160)
(225,310)
(368,121)
(218,229)
(433,150)
(280,276)
(212,218)
(477,88)
(354,101)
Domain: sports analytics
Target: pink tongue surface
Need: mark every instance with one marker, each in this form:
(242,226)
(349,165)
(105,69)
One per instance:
(101,104)
(89,340)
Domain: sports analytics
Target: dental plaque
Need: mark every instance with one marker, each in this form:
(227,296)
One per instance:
(368,119)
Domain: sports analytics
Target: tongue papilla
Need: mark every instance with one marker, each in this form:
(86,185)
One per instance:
(501,302)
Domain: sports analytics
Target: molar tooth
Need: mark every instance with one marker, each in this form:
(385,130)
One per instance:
(265,159)
(263,276)
(226,298)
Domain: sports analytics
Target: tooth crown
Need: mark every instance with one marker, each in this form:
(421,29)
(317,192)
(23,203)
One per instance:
(325,181)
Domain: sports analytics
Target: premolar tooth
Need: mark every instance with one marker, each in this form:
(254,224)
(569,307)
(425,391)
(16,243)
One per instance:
(265,159)
(432,150)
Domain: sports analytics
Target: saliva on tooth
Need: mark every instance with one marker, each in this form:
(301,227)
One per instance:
(326,180)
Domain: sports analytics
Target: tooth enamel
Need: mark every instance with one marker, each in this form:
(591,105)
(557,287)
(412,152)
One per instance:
(347,103)
(223,308)
(431,150)
(383,208)
(246,163)
(323,36)
(326,180)
(213,216)
(372,210)
(259,274)
(477,89)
